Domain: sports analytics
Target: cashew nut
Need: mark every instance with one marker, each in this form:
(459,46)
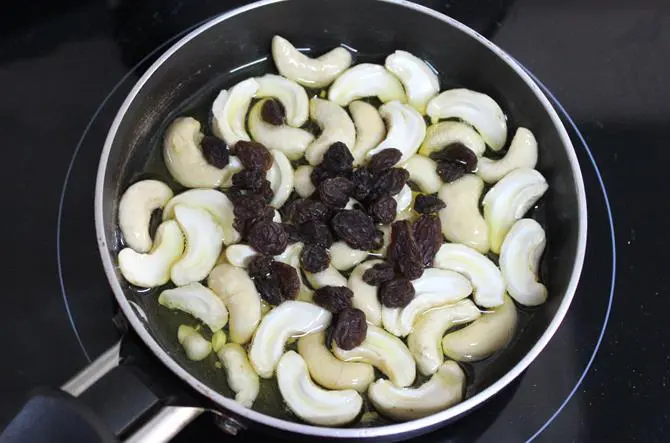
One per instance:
(370,129)
(519,261)
(486,279)
(153,269)
(365,295)
(195,345)
(198,301)
(289,319)
(344,257)
(329,371)
(443,134)
(280,177)
(444,389)
(303,182)
(135,209)
(238,293)
(240,255)
(423,171)
(474,108)
(328,277)
(312,72)
(291,95)
(336,126)
(229,111)
(424,340)
(486,335)
(509,200)
(420,81)
(406,129)
(240,375)
(461,220)
(522,153)
(310,402)
(403,200)
(366,80)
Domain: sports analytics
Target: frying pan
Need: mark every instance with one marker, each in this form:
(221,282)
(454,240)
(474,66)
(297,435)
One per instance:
(236,45)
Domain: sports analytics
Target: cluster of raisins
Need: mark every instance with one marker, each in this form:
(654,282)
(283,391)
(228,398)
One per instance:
(275,281)
(454,161)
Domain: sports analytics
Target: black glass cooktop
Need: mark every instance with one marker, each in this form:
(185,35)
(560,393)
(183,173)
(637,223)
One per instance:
(65,67)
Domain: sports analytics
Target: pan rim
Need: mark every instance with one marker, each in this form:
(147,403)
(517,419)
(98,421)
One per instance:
(321,431)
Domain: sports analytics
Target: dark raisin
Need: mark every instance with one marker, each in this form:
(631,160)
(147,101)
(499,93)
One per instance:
(266,191)
(269,290)
(316,233)
(449,171)
(389,182)
(428,236)
(314,258)
(457,153)
(349,329)
(287,279)
(377,239)
(404,252)
(248,208)
(250,179)
(428,204)
(379,273)
(319,174)
(273,112)
(396,293)
(292,232)
(363,180)
(301,210)
(356,228)
(253,155)
(267,237)
(338,158)
(384,160)
(383,210)
(333,298)
(335,191)
(155,221)
(215,151)
(260,266)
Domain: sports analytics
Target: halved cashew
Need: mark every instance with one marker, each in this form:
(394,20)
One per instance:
(406,130)
(303,182)
(287,139)
(336,126)
(519,261)
(522,153)
(509,200)
(198,301)
(423,171)
(213,201)
(443,134)
(291,95)
(311,72)
(420,82)
(445,388)
(240,375)
(135,209)
(203,245)
(366,80)
(183,156)
(229,111)
(384,351)
(195,345)
(365,295)
(153,269)
(475,108)
(290,319)
(486,335)
(461,220)
(239,294)
(310,402)
(403,199)
(280,177)
(486,279)
(436,287)
(344,257)
(424,342)
(329,371)
(240,255)
(328,277)
(370,129)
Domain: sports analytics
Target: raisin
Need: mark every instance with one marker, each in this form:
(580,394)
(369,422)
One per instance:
(301,210)
(292,232)
(333,298)
(319,174)
(349,329)
(273,112)
(356,229)
(314,258)
(155,221)
(266,192)
(269,290)
(396,293)
(428,236)
(215,151)
(253,155)
(316,233)
(384,160)
(267,237)
(248,209)
(275,281)
(454,161)
(383,210)
(449,171)
(428,204)
(390,182)
(379,273)
(363,181)
(287,279)
(404,252)
(335,191)
(377,240)
(260,266)
(250,179)
(338,158)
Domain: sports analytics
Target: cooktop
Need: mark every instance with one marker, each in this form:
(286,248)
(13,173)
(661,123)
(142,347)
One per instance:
(66,66)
